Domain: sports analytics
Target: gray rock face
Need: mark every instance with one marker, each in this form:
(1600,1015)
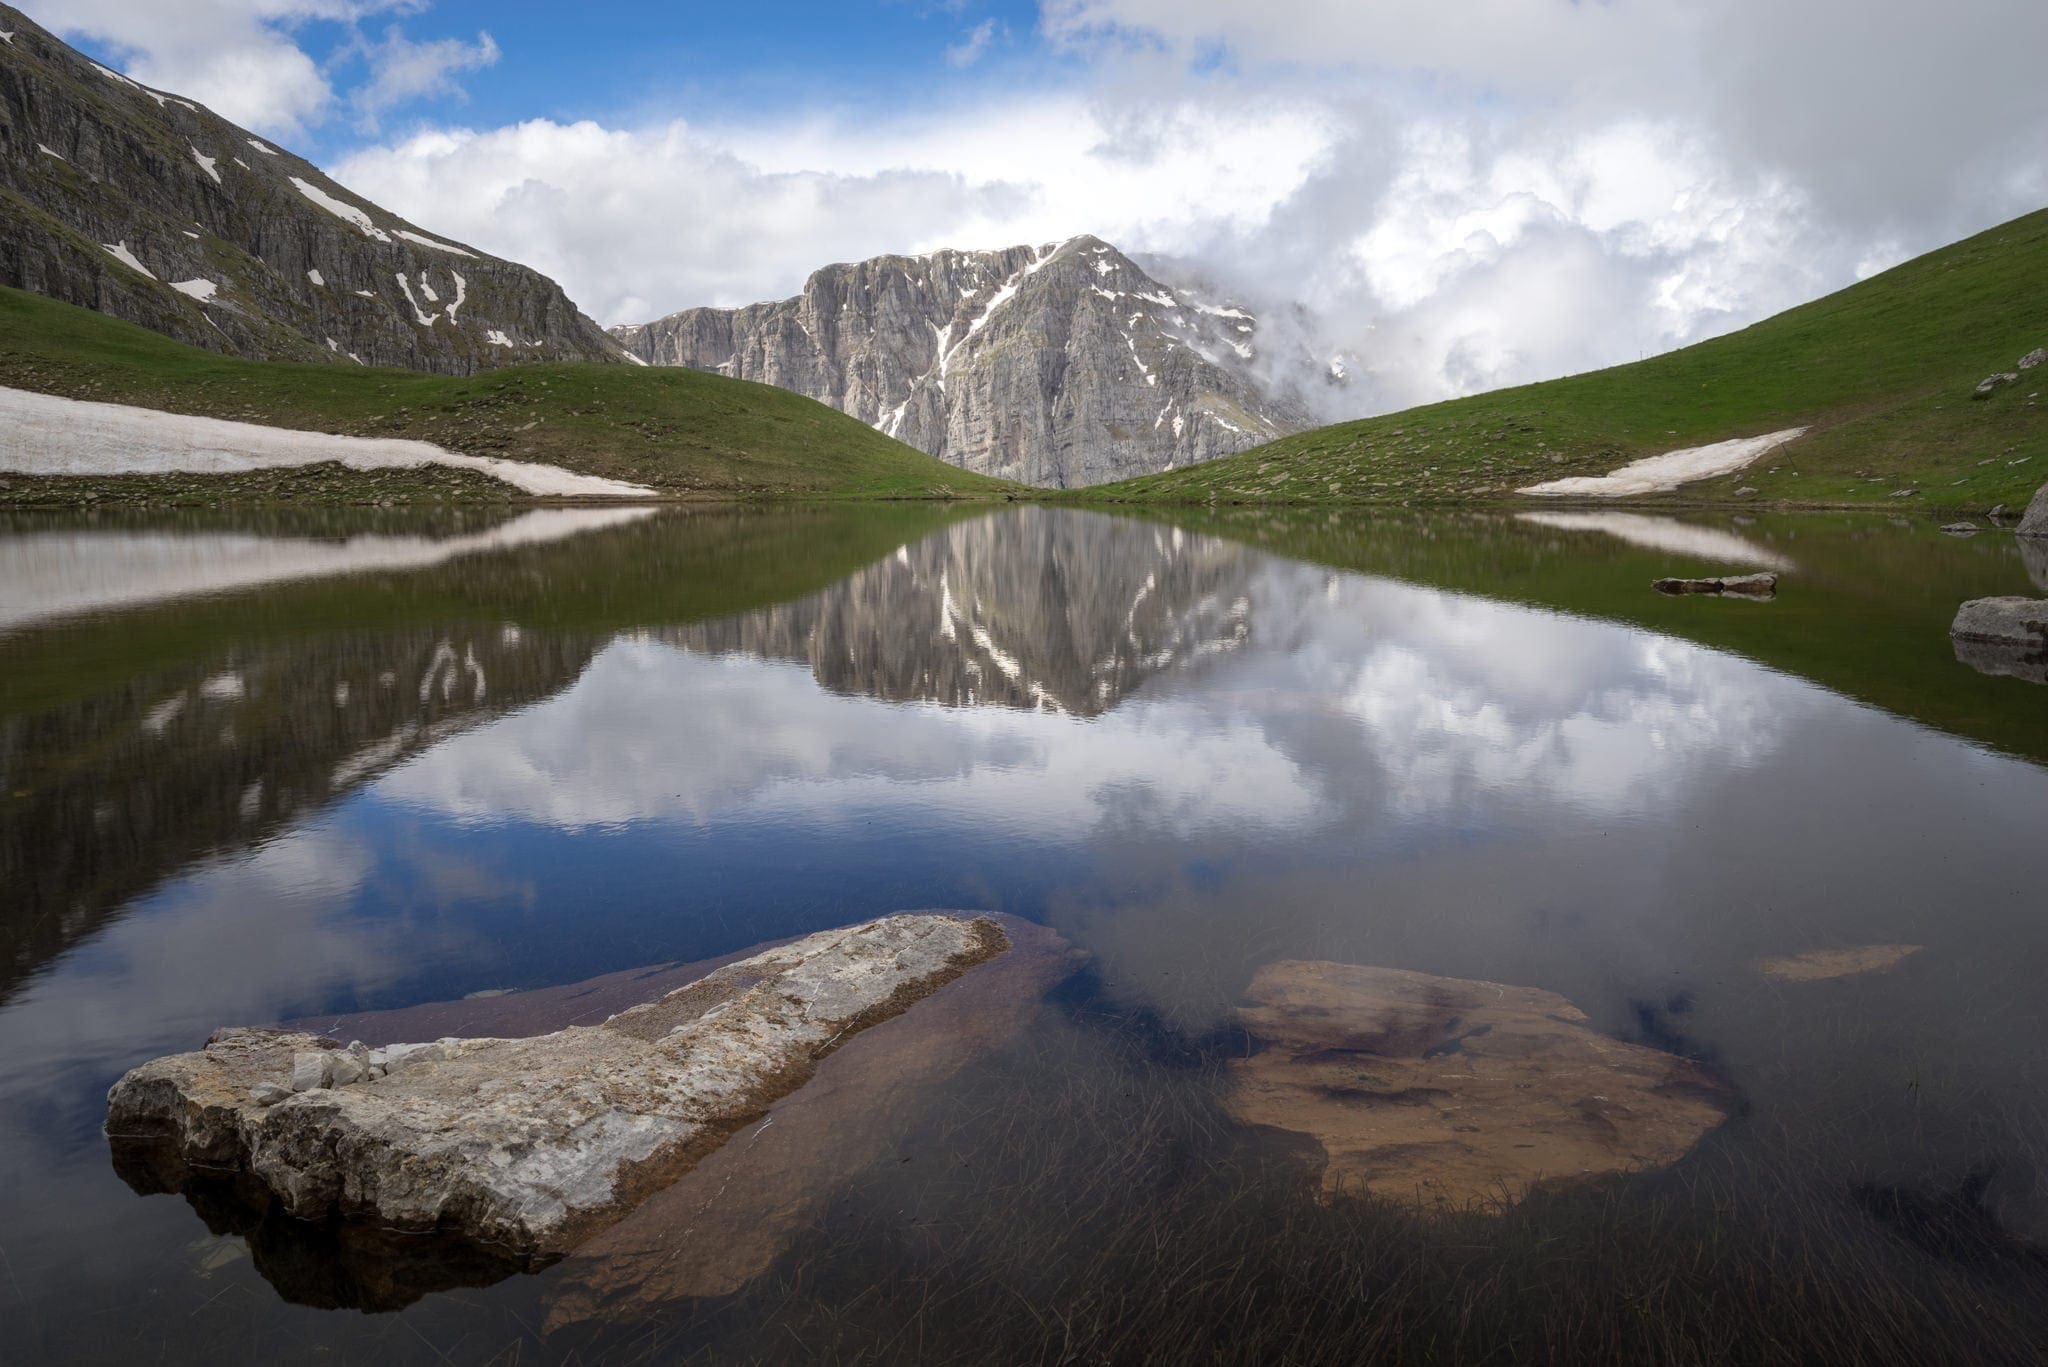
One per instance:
(2007,636)
(155,210)
(2034,358)
(2035,523)
(1058,365)
(531,1144)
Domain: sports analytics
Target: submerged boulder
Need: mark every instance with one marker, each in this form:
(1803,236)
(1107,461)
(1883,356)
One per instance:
(528,1145)
(1820,965)
(1746,585)
(1450,1092)
(2007,636)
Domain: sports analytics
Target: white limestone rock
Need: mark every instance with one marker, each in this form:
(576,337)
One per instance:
(533,1144)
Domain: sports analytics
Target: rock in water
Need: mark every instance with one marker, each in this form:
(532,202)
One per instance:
(1450,1092)
(726,1220)
(1819,965)
(533,1144)
(2007,636)
(2035,523)
(1747,585)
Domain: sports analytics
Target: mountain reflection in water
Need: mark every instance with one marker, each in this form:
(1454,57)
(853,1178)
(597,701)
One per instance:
(1476,748)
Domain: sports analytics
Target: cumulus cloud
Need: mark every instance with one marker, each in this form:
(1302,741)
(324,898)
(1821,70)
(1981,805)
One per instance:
(640,221)
(248,59)
(1447,198)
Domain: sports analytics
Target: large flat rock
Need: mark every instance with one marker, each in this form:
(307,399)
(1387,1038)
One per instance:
(1454,1093)
(530,1145)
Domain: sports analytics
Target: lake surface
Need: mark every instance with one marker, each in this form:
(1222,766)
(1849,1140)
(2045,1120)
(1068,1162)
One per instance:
(257,768)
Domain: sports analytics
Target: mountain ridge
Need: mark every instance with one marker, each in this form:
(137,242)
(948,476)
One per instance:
(150,208)
(1057,365)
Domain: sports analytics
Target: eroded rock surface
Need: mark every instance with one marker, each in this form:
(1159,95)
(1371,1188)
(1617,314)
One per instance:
(529,1145)
(1450,1092)
(1060,364)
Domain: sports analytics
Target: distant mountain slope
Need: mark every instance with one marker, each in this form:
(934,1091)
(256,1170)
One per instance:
(1059,365)
(1881,373)
(681,432)
(153,209)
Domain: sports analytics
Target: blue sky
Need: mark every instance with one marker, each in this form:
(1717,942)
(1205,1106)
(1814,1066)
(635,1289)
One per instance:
(640,59)
(1448,194)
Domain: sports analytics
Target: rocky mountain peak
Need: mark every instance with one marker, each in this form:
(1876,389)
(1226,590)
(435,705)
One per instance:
(152,208)
(1059,364)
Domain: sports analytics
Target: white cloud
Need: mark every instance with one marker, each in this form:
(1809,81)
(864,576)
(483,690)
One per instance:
(636,222)
(402,71)
(248,59)
(973,45)
(1461,197)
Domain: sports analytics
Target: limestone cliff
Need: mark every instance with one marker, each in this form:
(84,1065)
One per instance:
(1058,365)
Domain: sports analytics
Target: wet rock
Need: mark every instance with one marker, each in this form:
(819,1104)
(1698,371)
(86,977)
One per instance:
(1961,529)
(2004,636)
(1455,1093)
(1747,585)
(1991,384)
(2035,523)
(534,1144)
(726,1221)
(1817,965)
(2007,637)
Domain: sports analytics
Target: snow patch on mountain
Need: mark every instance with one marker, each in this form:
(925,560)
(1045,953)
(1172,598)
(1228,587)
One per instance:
(341,209)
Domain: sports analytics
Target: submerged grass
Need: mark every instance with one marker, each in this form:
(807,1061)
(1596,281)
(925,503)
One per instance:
(1882,372)
(683,432)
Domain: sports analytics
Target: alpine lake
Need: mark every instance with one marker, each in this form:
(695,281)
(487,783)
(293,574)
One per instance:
(1430,944)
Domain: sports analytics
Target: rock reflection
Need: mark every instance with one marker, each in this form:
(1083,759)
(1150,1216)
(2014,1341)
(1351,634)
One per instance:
(1041,609)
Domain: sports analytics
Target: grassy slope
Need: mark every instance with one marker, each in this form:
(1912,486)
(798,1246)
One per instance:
(680,431)
(1883,372)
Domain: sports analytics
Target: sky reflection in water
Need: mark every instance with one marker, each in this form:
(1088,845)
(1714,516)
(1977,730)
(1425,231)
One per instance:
(1191,757)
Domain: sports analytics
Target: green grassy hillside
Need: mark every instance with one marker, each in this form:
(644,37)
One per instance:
(683,432)
(1882,372)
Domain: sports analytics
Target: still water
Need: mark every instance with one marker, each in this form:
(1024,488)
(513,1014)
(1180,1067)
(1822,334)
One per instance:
(267,768)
